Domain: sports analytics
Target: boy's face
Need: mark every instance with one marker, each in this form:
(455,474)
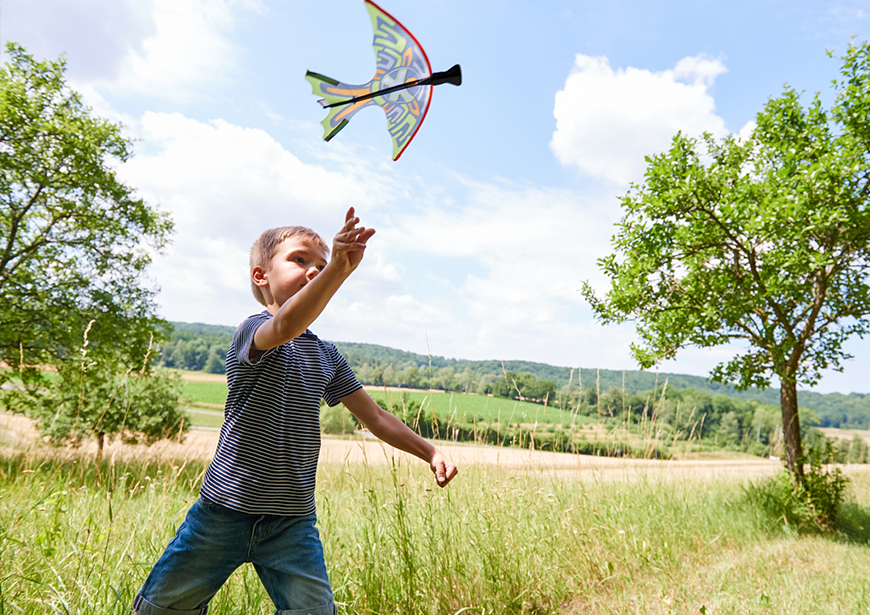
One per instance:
(296,262)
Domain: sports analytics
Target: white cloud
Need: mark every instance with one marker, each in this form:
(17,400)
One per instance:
(224,185)
(96,35)
(534,242)
(166,49)
(527,249)
(527,252)
(608,120)
(191,48)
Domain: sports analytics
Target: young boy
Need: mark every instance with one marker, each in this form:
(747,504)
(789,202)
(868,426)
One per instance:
(257,499)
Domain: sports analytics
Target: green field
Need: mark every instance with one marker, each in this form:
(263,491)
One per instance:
(450,407)
(460,408)
(195,391)
(205,418)
(79,539)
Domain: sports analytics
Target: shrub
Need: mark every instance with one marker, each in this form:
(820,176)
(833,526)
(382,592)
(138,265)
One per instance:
(336,420)
(809,505)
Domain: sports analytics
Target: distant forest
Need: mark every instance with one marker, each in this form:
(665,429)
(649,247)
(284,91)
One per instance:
(201,347)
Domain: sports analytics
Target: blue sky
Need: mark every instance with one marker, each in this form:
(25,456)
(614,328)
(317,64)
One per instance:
(496,213)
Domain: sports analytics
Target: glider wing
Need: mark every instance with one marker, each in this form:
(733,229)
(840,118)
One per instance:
(400,59)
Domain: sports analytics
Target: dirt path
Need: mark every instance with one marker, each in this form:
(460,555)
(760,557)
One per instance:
(17,433)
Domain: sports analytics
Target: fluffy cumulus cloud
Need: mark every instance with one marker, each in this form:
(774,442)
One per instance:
(516,255)
(166,49)
(191,47)
(116,29)
(607,120)
(223,185)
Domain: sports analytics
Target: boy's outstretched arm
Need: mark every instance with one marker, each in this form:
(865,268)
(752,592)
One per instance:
(394,432)
(299,311)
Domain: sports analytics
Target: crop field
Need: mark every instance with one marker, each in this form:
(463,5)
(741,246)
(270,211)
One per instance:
(205,392)
(516,532)
(448,407)
(461,408)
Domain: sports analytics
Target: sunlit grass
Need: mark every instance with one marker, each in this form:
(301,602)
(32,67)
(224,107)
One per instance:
(78,538)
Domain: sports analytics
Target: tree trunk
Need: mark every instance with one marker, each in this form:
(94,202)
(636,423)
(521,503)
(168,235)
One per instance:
(101,436)
(791,427)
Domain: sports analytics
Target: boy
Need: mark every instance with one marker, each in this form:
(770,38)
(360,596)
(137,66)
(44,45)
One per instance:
(257,499)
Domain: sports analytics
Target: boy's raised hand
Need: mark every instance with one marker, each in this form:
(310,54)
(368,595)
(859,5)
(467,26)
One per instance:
(349,244)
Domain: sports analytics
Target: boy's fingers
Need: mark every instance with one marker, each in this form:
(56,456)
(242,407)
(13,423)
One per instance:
(444,472)
(451,471)
(355,238)
(349,214)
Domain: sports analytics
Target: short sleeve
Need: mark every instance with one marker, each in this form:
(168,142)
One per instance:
(343,382)
(244,338)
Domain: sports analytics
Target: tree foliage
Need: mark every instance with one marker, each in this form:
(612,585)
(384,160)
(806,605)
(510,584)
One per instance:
(74,245)
(73,238)
(763,241)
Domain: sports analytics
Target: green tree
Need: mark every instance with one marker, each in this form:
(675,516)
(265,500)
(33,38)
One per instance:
(764,241)
(466,380)
(337,420)
(100,402)
(73,242)
(411,377)
(215,364)
(730,431)
(72,236)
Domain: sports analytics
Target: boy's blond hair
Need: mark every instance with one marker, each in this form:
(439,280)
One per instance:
(265,247)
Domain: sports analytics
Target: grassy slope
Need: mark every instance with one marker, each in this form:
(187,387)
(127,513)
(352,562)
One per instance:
(451,407)
(75,540)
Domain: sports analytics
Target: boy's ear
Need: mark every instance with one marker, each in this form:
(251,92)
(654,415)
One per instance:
(258,275)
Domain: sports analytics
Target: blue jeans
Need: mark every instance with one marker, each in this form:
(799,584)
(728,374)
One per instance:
(215,540)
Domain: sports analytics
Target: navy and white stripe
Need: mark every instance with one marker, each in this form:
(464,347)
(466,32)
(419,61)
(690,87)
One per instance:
(266,458)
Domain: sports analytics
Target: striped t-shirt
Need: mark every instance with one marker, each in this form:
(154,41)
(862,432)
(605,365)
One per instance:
(266,458)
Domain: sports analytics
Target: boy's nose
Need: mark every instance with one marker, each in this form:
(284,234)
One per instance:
(312,273)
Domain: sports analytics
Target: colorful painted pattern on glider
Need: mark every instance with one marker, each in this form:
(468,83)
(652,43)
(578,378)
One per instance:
(400,59)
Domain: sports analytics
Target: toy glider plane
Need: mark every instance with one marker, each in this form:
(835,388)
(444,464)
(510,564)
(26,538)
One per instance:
(402,84)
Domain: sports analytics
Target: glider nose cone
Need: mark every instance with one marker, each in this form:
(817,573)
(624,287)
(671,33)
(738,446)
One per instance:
(454,75)
(451,75)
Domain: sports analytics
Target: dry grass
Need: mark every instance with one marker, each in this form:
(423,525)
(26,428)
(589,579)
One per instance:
(518,531)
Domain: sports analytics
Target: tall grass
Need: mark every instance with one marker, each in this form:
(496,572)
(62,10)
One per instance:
(80,538)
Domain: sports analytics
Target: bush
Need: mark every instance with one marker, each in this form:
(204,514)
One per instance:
(825,489)
(100,401)
(809,505)
(336,420)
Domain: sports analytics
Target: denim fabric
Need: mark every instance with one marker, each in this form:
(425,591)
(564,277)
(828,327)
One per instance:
(214,540)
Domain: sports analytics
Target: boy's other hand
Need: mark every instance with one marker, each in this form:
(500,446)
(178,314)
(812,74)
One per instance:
(349,244)
(443,468)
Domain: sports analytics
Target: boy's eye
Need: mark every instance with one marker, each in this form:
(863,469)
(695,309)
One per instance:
(321,267)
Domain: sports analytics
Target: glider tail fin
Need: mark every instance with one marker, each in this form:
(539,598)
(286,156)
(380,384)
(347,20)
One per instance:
(334,91)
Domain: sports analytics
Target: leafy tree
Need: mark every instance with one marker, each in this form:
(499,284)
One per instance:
(73,252)
(215,364)
(98,401)
(411,377)
(730,431)
(72,236)
(337,420)
(466,380)
(764,241)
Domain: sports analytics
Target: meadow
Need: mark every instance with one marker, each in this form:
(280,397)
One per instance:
(77,537)
(484,420)
(448,407)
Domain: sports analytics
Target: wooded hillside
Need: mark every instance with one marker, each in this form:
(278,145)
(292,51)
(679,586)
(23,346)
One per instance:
(197,346)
